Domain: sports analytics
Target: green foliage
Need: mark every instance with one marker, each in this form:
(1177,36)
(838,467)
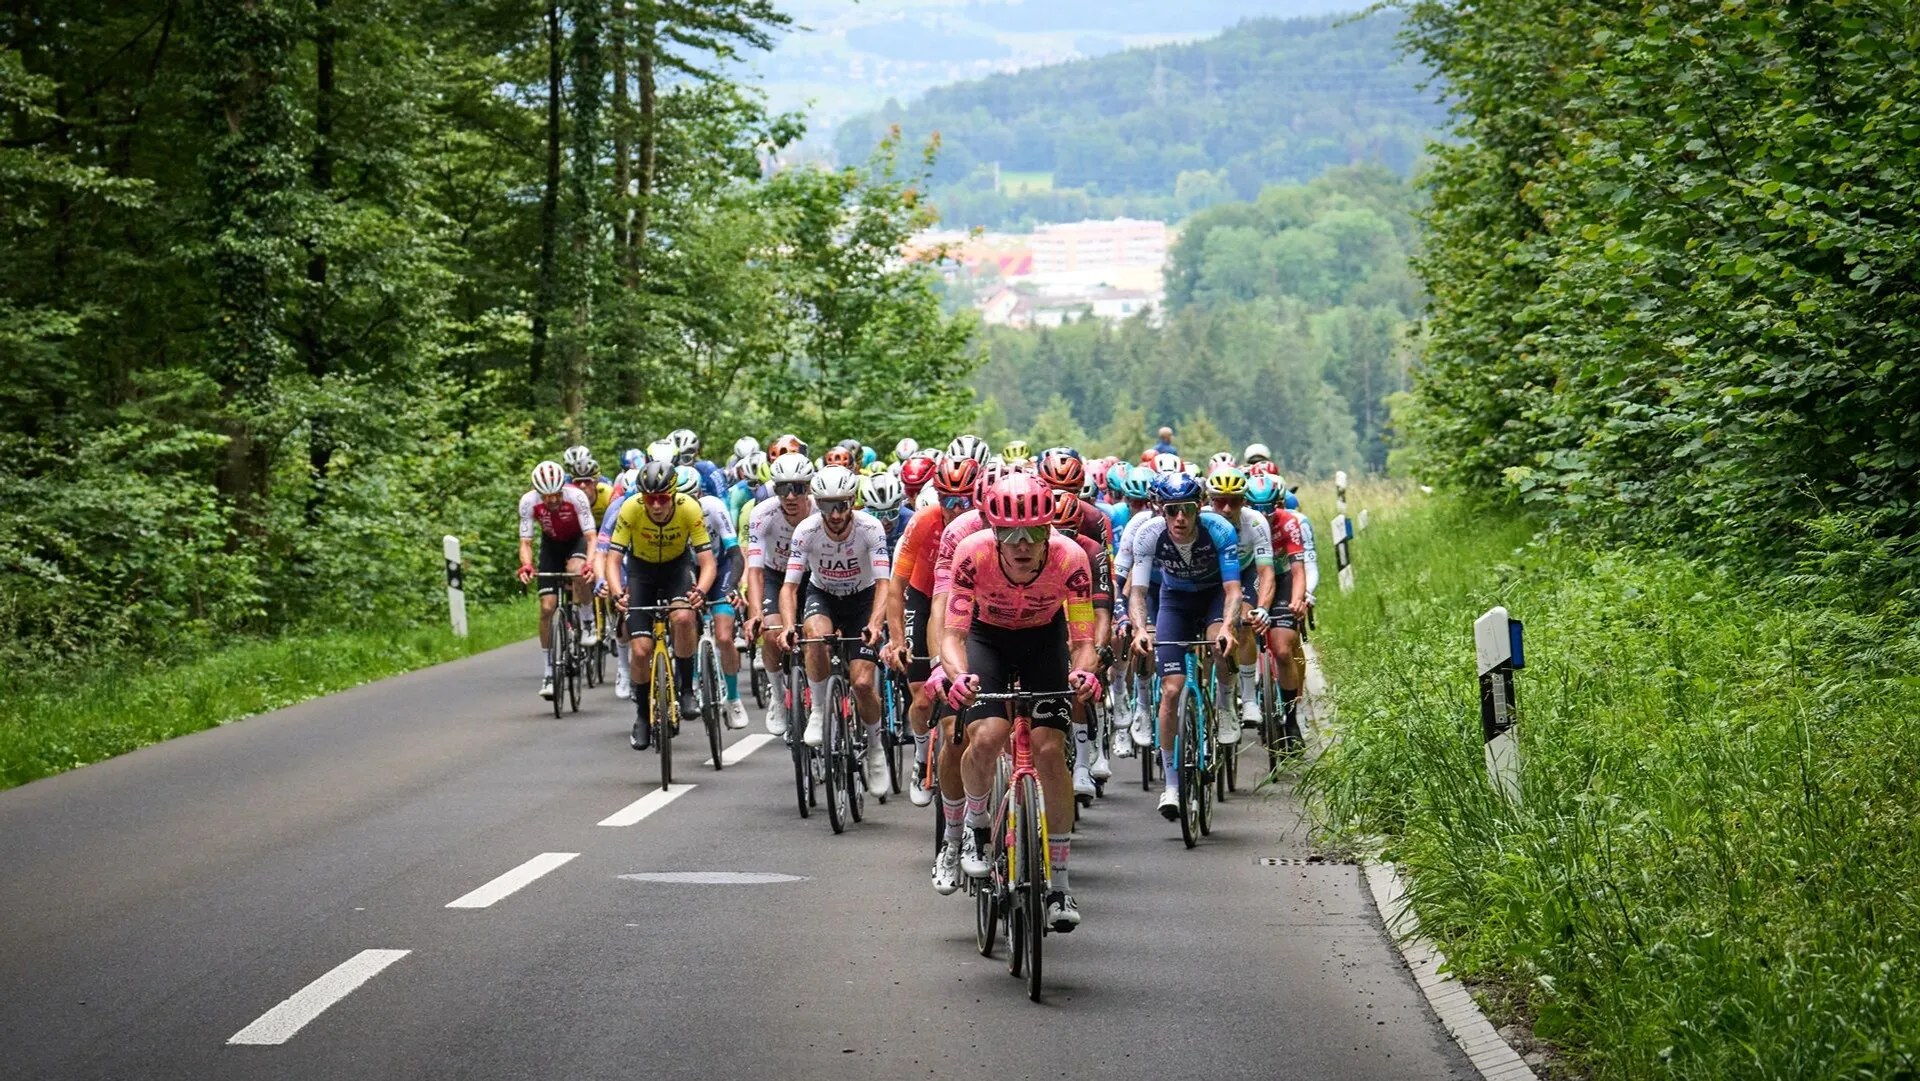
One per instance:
(1672,263)
(1288,326)
(1168,131)
(1708,872)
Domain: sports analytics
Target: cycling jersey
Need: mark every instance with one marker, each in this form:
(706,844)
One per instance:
(640,537)
(1312,556)
(1255,545)
(897,528)
(769,535)
(919,546)
(598,492)
(1095,523)
(981,587)
(720,528)
(1289,542)
(1127,552)
(570,519)
(1209,559)
(1118,514)
(962,527)
(739,495)
(712,481)
(844,566)
(1102,566)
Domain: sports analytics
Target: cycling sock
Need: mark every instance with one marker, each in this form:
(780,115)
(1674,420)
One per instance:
(954,813)
(683,674)
(1082,744)
(777,686)
(586,614)
(546,665)
(1246,684)
(920,748)
(733,687)
(1166,763)
(976,810)
(873,735)
(1057,855)
(819,689)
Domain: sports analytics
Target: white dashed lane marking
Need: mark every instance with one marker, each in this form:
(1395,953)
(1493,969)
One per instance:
(513,880)
(280,1023)
(633,812)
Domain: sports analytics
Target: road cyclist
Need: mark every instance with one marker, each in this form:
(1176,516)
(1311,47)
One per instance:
(663,555)
(563,517)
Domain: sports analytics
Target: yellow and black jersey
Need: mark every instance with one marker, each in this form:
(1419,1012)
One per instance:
(639,536)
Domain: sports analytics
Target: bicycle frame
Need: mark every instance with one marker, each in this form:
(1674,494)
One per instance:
(1022,875)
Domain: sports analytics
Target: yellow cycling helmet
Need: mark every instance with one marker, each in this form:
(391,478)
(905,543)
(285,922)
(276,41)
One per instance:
(1227,481)
(1016,449)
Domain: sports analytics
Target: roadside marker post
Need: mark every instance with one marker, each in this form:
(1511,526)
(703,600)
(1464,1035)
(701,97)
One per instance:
(1343,550)
(456,590)
(1499,654)
(1340,491)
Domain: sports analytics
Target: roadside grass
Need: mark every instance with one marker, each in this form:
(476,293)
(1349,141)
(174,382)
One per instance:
(1713,870)
(52,723)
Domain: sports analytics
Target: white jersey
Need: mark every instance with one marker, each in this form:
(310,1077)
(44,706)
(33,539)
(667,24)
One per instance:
(719,523)
(1256,539)
(1124,555)
(843,566)
(572,518)
(1312,557)
(770,535)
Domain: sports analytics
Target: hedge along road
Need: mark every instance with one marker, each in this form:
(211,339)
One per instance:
(417,878)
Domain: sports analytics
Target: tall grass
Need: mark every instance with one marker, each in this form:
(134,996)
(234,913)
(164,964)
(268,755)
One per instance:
(50,723)
(1713,869)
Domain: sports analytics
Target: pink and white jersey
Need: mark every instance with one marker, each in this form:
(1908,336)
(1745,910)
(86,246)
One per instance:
(770,535)
(962,527)
(572,517)
(981,588)
(843,566)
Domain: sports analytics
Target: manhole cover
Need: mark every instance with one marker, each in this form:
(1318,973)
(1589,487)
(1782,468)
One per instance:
(714,878)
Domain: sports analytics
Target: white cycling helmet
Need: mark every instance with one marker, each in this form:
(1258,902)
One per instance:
(790,469)
(970,446)
(663,450)
(686,480)
(549,478)
(1257,452)
(744,446)
(686,445)
(1191,469)
(835,482)
(1164,462)
(883,492)
(928,499)
(904,449)
(1219,460)
(579,461)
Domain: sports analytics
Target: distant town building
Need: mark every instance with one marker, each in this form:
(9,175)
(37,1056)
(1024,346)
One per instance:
(1099,246)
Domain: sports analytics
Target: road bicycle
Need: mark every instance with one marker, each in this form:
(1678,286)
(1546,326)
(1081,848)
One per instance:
(608,620)
(1193,746)
(706,684)
(896,732)
(663,705)
(799,702)
(1021,872)
(565,656)
(844,746)
(750,662)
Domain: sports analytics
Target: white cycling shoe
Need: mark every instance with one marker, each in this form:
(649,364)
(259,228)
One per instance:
(973,862)
(1249,711)
(736,714)
(946,870)
(1100,768)
(917,793)
(546,688)
(1170,805)
(1083,789)
(622,683)
(1229,733)
(1142,731)
(1063,915)
(816,734)
(879,777)
(776,718)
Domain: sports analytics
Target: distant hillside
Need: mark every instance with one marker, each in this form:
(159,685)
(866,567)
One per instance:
(1169,130)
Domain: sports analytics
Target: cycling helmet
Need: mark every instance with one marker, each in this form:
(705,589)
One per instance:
(1256,469)
(584,469)
(1191,469)
(988,476)
(1226,481)
(663,450)
(1166,463)
(1292,501)
(1117,479)
(969,446)
(790,469)
(837,456)
(686,443)
(1016,449)
(686,480)
(1062,470)
(1066,512)
(575,456)
(632,458)
(916,471)
(744,446)
(1257,452)
(852,445)
(956,476)
(1138,483)
(1018,500)
(786,444)
(868,456)
(757,467)
(656,477)
(549,478)
(884,492)
(905,449)
(1175,488)
(1146,456)
(1263,492)
(835,482)
(1221,459)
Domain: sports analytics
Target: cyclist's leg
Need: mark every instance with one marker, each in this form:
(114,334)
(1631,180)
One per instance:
(771,655)
(723,630)
(643,590)
(582,595)
(989,653)
(850,616)
(816,621)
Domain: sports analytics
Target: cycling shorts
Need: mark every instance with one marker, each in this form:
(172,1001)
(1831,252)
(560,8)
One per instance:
(919,611)
(723,608)
(770,582)
(554,557)
(1185,614)
(1035,656)
(849,614)
(651,584)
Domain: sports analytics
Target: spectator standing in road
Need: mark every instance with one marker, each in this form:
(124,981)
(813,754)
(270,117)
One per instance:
(1165,446)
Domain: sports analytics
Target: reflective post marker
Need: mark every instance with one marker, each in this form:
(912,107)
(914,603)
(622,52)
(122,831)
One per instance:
(1343,551)
(456,593)
(1340,491)
(1361,522)
(1498,653)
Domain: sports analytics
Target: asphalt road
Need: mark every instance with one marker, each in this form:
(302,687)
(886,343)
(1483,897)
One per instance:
(272,899)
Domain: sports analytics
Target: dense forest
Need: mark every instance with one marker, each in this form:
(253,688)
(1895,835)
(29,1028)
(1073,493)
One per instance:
(1673,263)
(1167,131)
(289,289)
(1287,323)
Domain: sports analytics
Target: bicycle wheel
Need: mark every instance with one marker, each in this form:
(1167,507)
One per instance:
(855,758)
(1008,866)
(1290,730)
(1187,763)
(838,809)
(557,657)
(576,660)
(761,684)
(1033,874)
(986,893)
(709,690)
(663,707)
(896,733)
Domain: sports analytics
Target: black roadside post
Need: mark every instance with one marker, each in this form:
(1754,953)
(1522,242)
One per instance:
(1497,649)
(456,590)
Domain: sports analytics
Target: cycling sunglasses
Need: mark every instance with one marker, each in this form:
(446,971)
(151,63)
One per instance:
(834,506)
(792,487)
(657,499)
(956,502)
(1183,509)
(886,515)
(1022,534)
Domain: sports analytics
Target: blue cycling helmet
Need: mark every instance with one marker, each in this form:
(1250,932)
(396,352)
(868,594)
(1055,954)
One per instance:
(1117,480)
(1263,492)
(633,459)
(1176,488)
(868,456)
(1293,501)
(1139,483)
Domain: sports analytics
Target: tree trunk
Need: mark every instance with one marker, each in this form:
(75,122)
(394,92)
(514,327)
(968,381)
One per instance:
(621,206)
(313,332)
(584,200)
(544,291)
(643,196)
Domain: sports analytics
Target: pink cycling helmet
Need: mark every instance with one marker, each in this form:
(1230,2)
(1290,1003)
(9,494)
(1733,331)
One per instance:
(1018,499)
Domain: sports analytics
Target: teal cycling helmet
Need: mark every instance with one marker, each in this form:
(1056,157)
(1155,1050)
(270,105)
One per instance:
(1263,492)
(1293,501)
(1139,483)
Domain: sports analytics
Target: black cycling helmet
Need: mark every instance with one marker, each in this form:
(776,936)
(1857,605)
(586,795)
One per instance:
(657,477)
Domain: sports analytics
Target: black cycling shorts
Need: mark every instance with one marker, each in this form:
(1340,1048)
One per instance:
(919,611)
(770,582)
(554,557)
(1035,656)
(652,584)
(849,615)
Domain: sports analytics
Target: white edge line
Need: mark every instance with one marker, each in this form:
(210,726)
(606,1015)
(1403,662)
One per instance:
(633,812)
(512,881)
(1459,1014)
(280,1023)
(741,748)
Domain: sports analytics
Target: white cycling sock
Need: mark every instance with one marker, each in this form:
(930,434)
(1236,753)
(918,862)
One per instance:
(777,687)
(920,743)
(954,813)
(1247,691)
(873,736)
(819,689)
(1083,744)
(1166,763)
(546,665)
(586,614)
(1057,855)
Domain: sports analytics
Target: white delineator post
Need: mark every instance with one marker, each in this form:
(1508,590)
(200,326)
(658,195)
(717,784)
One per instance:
(456,593)
(1340,491)
(1497,649)
(1343,550)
